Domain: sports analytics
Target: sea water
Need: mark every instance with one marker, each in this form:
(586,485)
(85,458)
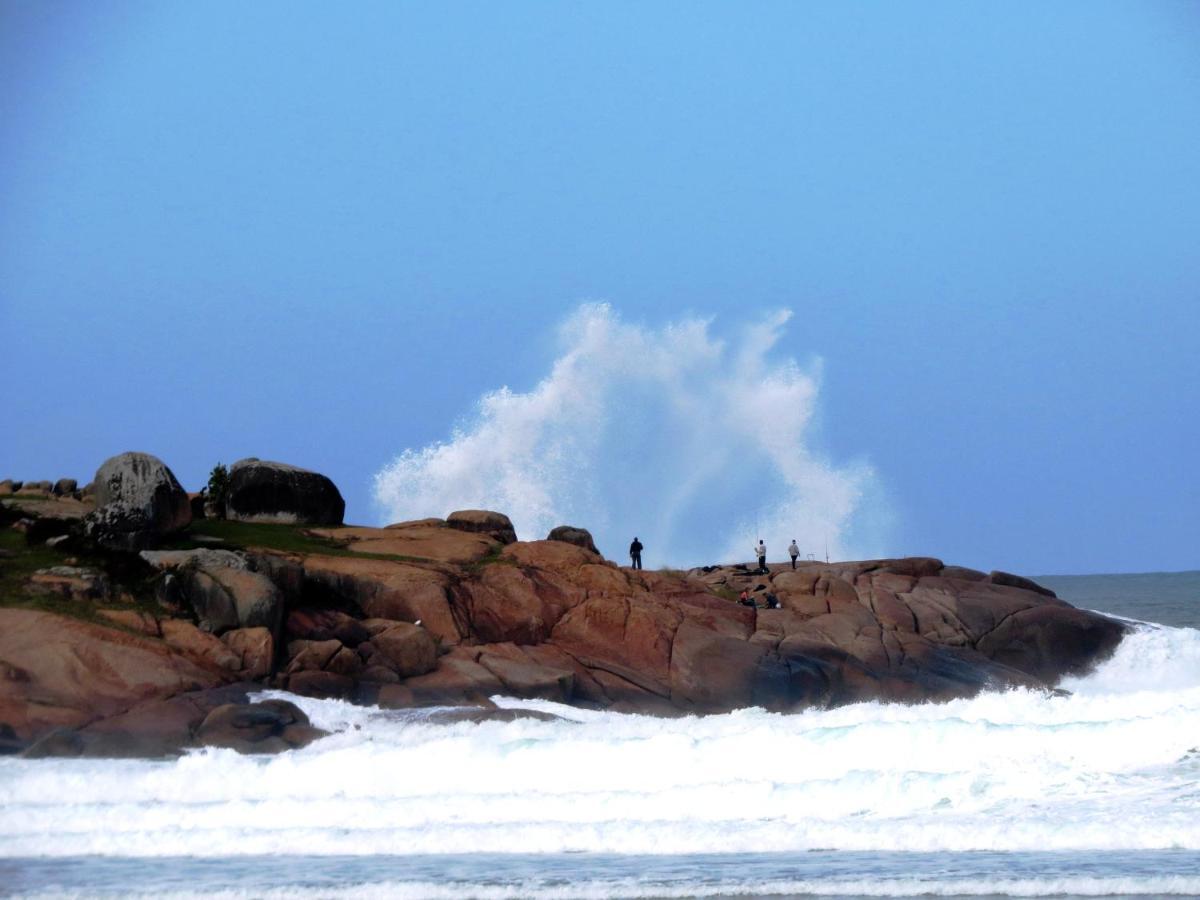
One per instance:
(1009,794)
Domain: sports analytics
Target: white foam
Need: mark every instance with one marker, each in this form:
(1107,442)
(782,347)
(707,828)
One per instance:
(1112,766)
(653,432)
(636,889)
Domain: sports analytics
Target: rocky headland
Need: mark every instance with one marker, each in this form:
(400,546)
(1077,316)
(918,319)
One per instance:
(138,620)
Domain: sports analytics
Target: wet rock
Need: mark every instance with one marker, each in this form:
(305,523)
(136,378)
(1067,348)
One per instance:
(326,685)
(257,727)
(58,743)
(9,742)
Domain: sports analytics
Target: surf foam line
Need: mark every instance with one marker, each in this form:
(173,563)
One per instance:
(1112,766)
(631,889)
(697,444)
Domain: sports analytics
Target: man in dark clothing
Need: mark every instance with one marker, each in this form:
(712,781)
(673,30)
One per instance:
(635,553)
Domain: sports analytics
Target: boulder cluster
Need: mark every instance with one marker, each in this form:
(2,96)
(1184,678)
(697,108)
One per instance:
(455,611)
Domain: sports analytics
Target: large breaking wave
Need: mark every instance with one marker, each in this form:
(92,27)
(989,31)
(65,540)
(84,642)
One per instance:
(698,444)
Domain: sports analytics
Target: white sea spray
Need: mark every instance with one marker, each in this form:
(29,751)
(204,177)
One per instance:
(697,443)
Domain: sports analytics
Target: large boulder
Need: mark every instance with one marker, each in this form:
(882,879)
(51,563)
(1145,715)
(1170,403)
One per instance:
(138,502)
(222,588)
(483,521)
(262,491)
(269,726)
(404,648)
(580,537)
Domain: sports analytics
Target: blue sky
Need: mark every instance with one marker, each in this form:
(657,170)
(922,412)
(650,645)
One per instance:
(320,233)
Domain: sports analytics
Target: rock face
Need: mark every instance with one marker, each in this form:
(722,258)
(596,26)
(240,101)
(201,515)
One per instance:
(483,521)
(56,671)
(138,501)
(580,537)
(274,492)
(455,612)
(221,588)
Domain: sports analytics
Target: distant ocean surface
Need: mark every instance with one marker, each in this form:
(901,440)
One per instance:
(1168,598)
(1017,794)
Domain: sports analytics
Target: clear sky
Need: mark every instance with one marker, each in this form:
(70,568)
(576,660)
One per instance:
(320,233)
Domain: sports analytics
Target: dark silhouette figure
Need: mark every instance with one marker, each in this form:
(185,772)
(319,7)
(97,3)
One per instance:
(635,553)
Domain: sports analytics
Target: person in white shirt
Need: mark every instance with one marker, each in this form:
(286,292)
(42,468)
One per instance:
(793,552)
(761,552)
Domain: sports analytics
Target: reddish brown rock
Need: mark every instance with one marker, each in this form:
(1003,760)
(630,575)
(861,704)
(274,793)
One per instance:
(133,620)
(321,684)
(60,671)
(522,676)
(404,648)
(200,645)
(391,590)
(311,656)
(457,679)
(255,648)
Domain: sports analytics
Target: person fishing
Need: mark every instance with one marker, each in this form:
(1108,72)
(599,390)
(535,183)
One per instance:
(761,552)
(793,552)
(635,553)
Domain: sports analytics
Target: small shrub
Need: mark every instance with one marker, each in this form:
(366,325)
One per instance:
(217,490)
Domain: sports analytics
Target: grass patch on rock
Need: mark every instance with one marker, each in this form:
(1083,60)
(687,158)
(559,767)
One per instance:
(264,535)
(273,536)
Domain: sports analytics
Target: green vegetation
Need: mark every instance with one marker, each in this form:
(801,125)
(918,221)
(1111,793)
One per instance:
(16,569)
(271,536)
(244,535)
(217,490)
(494,558)
(725,593)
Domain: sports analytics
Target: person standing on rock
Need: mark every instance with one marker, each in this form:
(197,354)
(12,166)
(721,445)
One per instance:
(761,552)
(635,553)
(793,552)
